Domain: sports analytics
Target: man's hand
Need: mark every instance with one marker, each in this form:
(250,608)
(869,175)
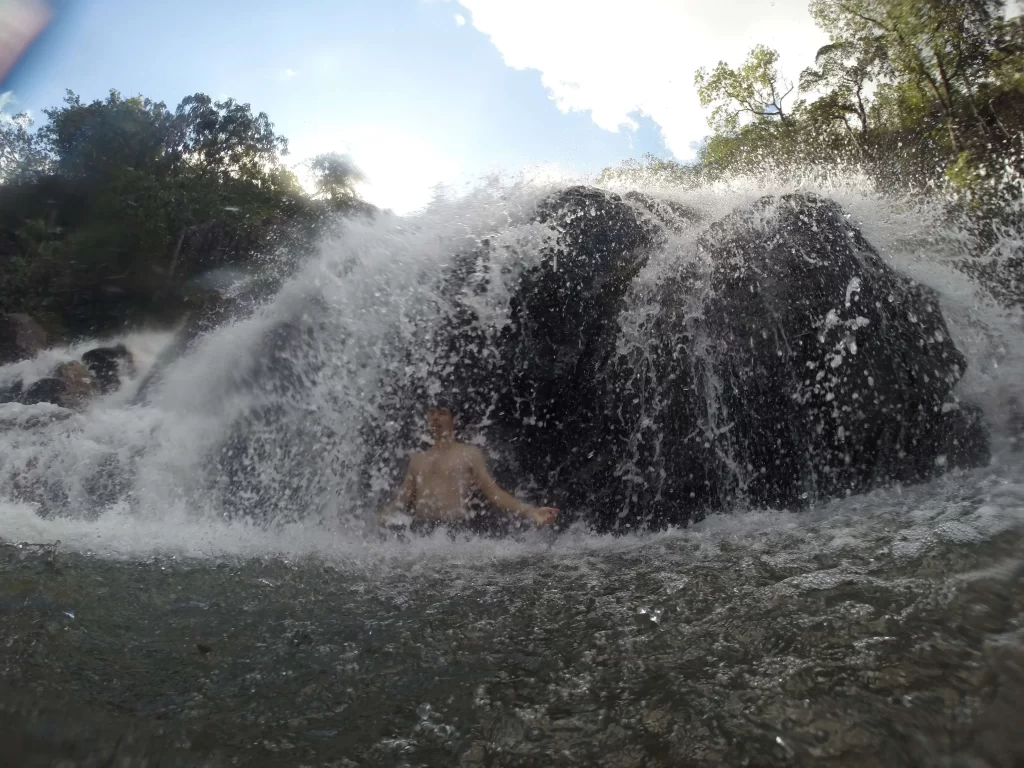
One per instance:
(543,516)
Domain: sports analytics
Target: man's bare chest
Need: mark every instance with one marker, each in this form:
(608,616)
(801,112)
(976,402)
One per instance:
(444,465)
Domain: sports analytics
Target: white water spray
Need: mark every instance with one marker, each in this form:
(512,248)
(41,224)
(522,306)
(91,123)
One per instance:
(380,295)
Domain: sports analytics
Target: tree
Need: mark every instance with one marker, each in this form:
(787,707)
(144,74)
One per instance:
(226,137)
(102,139)
(947,50)
(334,178)
(843,72)
(756,89)
(21,158)
(114,205)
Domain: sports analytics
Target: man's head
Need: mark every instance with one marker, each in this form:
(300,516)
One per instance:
(441,418)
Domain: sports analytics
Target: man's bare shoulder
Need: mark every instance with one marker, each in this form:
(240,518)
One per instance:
(471,451)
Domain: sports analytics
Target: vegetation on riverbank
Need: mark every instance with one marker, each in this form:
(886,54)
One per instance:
(112,208)
(921,96)
(914,92)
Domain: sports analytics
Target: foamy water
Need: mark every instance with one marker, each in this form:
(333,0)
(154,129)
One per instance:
(380,282)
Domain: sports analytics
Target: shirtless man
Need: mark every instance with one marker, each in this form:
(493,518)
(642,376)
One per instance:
(439,481)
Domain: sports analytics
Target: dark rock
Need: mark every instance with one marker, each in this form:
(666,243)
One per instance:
(45,390)
(534,388)
(670,214)
(794,365)
(13,392)
(281,427)
(301,638)
(106,365)
(780,360)
(784,361)
(554,356)
(70,386)
(21,337)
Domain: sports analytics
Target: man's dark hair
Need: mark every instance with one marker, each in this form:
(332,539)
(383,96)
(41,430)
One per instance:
(443,403)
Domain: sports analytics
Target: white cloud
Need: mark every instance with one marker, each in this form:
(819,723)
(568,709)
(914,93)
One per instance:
(1014,8)
(460,20)
(615,60)
(286,74)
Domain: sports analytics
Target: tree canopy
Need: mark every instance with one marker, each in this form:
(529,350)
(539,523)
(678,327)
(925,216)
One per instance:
(926,93)
(922,96)
(112,206)
(756,90)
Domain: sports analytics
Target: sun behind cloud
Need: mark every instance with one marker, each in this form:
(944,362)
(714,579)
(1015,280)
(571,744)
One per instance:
(612,62)
(402,169)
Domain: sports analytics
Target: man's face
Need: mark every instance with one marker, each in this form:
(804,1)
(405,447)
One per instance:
(440,421)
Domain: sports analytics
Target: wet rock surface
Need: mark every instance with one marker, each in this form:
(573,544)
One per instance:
(790,363)
(780,360)
(785,361)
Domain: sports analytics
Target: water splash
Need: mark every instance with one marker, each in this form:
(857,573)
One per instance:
(125,478)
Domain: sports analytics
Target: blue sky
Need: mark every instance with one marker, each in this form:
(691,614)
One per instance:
(420,91)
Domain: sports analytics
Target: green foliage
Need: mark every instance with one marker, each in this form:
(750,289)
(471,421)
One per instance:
(113,206)
(20,155)
(922,96)
(916,93)
(843,72)
(955,59)
(754,90)
(334,179)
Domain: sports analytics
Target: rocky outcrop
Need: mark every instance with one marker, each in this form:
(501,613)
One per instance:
(773,359)
(786,362)
(21,337)
(206,312)
(71,385)
(791,363)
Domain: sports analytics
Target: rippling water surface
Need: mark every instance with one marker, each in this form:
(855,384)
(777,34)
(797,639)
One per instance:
(882,630)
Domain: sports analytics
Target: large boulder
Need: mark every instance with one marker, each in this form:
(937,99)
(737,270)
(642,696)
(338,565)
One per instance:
(206,312)
(773,360)
(778,361)
(837,371)
(787,362)
(553,391)
(278,459)
(21,337)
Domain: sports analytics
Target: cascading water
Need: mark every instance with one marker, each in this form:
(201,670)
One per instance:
(200,555)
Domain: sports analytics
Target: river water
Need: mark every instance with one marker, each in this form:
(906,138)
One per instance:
(882,629)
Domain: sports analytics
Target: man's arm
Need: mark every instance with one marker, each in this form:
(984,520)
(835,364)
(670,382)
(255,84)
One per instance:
(406,495)
(501,498)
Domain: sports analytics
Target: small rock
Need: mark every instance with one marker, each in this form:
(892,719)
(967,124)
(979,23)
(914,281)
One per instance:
(107,364)
(70,386)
